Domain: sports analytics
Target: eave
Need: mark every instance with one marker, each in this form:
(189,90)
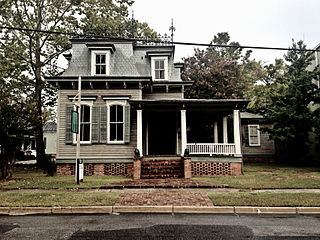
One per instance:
(100,82)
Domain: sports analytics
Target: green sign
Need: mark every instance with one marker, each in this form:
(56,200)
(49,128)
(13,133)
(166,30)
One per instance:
(74,122)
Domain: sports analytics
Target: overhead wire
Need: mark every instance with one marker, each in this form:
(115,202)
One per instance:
(157,41)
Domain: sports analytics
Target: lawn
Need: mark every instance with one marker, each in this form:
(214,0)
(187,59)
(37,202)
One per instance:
(266,199)
(56,199)
(24,178)
(270,176)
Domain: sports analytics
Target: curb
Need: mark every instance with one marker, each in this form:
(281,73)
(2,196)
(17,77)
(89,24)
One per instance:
(20,211)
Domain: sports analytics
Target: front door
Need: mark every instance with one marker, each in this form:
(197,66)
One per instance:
(162,133)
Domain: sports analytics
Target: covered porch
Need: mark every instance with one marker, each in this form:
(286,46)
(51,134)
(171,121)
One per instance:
(195,127)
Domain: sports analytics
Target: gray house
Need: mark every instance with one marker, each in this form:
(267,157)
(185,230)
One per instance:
(256,144)
(135,120)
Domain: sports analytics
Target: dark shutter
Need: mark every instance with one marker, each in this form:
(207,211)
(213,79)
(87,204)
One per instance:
(127,124)
(68,139)
(103,124)
(95,136)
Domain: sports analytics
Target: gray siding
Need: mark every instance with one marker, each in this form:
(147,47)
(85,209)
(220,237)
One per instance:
(266,147)
(94,151)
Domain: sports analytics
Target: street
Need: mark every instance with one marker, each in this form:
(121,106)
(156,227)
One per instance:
(160,226)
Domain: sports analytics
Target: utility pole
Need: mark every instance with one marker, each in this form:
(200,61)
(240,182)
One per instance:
(77,108)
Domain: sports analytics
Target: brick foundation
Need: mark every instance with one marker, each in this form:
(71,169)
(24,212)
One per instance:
(191,169)
(215,169)
(98,169)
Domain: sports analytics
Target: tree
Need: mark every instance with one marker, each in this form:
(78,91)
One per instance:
(213,77)
(14,111)
(290,95)
(38,51)
(221,72)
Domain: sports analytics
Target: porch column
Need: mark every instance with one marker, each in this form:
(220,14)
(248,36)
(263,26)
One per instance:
(183,131)
(236,132)
(225,130)
(139,131)
(215,132)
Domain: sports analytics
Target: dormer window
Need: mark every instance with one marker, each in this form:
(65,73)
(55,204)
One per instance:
(100,62)
(159,68)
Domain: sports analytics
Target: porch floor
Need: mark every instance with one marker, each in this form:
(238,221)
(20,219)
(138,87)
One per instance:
(163,183)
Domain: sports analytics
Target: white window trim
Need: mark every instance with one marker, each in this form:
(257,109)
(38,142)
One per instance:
(93,62)
(122,103)
(258,127)
(166,69)
(74,135)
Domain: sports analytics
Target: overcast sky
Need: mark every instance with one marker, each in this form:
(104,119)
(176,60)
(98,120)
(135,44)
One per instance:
(271,23)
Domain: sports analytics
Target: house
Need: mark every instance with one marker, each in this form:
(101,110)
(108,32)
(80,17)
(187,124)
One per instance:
(50,138)
(135,120)
(256,145)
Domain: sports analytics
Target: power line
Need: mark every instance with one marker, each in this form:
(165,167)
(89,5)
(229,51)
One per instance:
(156,41)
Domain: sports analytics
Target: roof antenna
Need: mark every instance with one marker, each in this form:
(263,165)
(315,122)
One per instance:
(172,29)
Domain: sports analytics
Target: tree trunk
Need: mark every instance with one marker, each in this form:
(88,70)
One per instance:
(38,116)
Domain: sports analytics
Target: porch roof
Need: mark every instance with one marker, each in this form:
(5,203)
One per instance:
(192,103)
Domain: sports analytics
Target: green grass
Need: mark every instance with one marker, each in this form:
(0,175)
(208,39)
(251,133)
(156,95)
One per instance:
(270,176)
(266,199)
(33,178)
(56,199)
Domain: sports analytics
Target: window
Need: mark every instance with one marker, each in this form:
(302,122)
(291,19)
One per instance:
(116,123)
(254,135)
(159,68)
(100,61)
(100,64)
(85,123)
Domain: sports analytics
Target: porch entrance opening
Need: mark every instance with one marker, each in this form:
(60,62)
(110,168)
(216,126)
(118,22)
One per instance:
(162,133)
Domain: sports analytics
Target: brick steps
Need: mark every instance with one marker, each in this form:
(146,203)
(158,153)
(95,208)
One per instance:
(158,168)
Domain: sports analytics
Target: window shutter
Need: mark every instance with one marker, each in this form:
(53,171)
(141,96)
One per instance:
(103,124)
(68,139)
(95,124)
(127,124)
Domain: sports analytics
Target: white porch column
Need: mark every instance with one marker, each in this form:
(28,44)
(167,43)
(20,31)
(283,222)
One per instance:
(236,132)
(183,131)
(139,131)
(225,130)
(215,132)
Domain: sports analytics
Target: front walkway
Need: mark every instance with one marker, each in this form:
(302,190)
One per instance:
(164,198)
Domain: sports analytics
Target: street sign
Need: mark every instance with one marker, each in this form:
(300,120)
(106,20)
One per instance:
(74,121)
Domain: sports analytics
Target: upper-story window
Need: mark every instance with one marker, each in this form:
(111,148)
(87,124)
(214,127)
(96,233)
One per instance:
(100,62)
(159,68)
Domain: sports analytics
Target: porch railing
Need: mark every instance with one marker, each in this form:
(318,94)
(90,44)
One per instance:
(212,148)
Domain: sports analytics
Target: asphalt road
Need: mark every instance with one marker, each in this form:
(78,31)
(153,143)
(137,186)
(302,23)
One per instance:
(160,226)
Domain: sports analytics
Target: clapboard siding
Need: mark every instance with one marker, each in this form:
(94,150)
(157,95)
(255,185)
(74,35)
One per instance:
(266,147)
(163,96)
(95,150)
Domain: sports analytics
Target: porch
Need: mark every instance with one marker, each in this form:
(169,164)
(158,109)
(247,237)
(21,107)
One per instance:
(189,128)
